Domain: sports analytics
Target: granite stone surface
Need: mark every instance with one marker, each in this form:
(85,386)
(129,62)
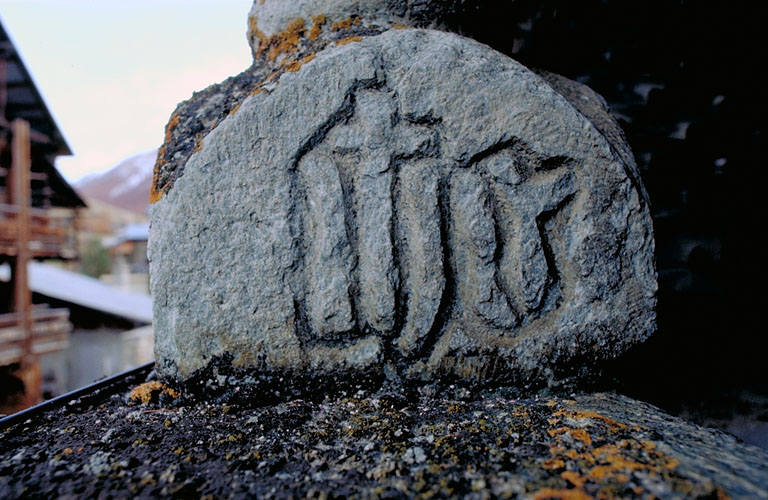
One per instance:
(411,204)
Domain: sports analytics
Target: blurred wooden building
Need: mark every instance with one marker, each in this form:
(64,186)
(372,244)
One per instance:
(38,210)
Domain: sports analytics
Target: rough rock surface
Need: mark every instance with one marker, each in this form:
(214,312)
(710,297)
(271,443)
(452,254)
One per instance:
(412,204)
(272,17)
(380,445)
(284,35)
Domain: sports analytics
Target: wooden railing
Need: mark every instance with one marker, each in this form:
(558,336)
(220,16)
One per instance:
(50,333)
(49,236)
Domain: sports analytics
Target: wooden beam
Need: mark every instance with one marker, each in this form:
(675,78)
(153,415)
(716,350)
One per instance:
(34,135)
(20,197)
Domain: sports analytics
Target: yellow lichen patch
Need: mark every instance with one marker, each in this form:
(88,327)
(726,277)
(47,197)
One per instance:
(254,31)
(399,26)
(553,463)
(521,412)
(285,42)
(576,455)
(557,450)
(351,39)
(294,66)
(198,142)
(232,438)
(155,194)
(345,24)
(457,408)
(573,478)
(650,445)
(272,76)
(721,495)
(584,414)
(318,22)
(564,494)
(172,124)
(146,391)
(606,467)
(234,109)
(614,461)
(577,434)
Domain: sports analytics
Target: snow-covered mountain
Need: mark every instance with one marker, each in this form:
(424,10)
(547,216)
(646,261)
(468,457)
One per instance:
(126,185)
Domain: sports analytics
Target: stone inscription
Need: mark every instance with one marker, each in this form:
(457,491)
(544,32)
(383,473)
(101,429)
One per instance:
(397,240)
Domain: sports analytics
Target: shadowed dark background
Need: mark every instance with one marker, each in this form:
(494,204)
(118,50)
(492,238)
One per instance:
(684,79)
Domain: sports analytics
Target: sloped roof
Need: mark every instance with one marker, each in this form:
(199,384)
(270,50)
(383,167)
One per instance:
(87,292)
(25,101)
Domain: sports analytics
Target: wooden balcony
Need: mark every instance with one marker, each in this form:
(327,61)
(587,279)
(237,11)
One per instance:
(50,333)
(50,234)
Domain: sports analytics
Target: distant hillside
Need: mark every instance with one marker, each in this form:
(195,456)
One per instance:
(126,185)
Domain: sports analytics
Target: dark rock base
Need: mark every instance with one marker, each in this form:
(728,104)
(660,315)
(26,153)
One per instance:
(381,445)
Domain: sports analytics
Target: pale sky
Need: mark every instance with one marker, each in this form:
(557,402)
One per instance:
(112,71)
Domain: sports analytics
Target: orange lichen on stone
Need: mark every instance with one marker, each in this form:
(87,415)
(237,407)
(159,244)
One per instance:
(614,462)
(285,42)
(577,434)
(317,26)
(573,478)
(234,109)
(553,463)
(583,414)
(603,471)
(254,31)
(145,392)
(198,142)
(399,26)
(351,39)
(155,194)
(563,494)
(577,455)
(721,495)
(345,24)
(557,450)
(294,65)
(272,76)
(172,124)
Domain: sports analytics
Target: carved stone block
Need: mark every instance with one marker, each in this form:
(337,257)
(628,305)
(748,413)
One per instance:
(413,204)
